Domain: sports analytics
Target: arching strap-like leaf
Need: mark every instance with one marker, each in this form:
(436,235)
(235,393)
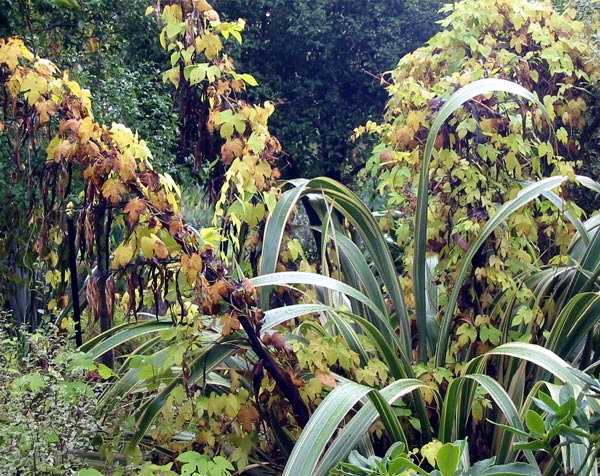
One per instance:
(464,94)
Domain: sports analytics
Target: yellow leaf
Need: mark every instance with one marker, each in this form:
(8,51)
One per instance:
(202,5)
(211,237)
(86,129)
(430,451)
(147,245)
(126,165)
(123,255)
(210,44)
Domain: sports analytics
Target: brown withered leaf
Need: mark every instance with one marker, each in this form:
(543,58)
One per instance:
(229,324)
(247,285)
(191,266)
(150,179)
(176,226)
(231,149)
(218,290)
(247,416)
(160,249)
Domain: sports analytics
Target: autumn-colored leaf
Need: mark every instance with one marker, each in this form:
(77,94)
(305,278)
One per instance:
(126,166)
(86,130)
(46,109)
(210,44)
(229,324)
(231,149)
(160,249)
(123,255)
(191,266)
(147,246)
(202,5)
(325,378)
(247,416)
(113,190)
(134,208)
(176,226)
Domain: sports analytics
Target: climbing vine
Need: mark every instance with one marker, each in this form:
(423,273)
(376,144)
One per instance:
(486,151)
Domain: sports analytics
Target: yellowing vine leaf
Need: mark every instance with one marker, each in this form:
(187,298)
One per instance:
(123,255)
(230,122)
(231,149)
(134,208)
(202,5)
(209,44)
(113,190)
(147,246)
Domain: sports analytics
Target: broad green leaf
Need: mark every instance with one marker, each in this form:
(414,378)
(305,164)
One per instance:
(447,459)
(535,423)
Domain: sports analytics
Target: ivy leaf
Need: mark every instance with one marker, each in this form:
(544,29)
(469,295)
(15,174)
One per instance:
(174,29)
(172,75)
(199,72)
(147,245)
(160,249)
(256,143)
(490,334)
(33,86)
(430,451)
(211,237)
(106,372)
(295,248)
(232,29)
(326,378)
(191,266)
(202,5)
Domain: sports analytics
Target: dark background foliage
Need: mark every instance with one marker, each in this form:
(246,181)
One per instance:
(320,62)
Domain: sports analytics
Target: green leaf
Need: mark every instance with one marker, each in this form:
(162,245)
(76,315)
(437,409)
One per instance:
(230,122)
(106,372)
(535,423)
(249,79)
(447,458)
(89,472)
